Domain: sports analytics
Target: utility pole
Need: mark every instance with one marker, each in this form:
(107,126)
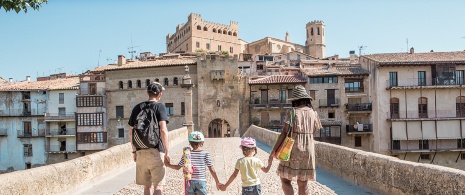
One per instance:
(360,48)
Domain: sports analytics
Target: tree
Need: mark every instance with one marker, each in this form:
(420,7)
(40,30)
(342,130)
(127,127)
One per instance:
(18,5)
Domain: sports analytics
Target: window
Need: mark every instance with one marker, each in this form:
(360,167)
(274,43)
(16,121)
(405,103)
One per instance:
(214,30)
(298,57)
(129,84)
(460,106)
(61,98)
(208,46)
(323,79)
(205,28)
(27,128)
(166,82)
(229,33)
(119,111)
(92,88)
(311,31)
(219,31)
(169,108)
(187,47)
(197,44)
(318,30)
(289,93)
(392,79)
(224,32)
(396,144)
(421,78)
(92,137)
(175,81)
(183,108)
(62,111)
(422,107)
(235,34)
(259,66)
(139,84)
(121,132)
(282,96)
(120,85)
(89,101)
(462,156)
(28,165)
(27,150)
(353,85)
(219,47)
(394,108)
(288,57)
(423,144)
(231,50)
(459,77)
(89,119)
(424,156)
(460,143)
(331,114)
(147,82)
(312,94)
(199,27)
(358,141)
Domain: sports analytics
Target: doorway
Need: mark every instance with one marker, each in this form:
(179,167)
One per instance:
(218,128)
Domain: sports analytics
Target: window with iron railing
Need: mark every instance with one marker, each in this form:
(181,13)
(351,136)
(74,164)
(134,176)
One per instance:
(421,78)
(422,107)
(92,137)
(353,85)
(27,150)
(61,98)
(423,144)
(119,111)
(396,144)
(460,106)
(459,77)
(89,119)
(392,79)
(394,108)
(89,101)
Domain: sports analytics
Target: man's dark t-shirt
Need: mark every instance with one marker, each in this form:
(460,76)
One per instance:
(160,113)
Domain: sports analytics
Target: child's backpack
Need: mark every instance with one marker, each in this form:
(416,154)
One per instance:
(146,133)
(188,168)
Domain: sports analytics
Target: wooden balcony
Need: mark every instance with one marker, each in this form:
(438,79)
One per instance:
(31,134)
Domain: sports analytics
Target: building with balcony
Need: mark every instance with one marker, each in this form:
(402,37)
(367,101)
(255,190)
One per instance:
(418,105)
(25,120)
(341,97)
(91,113)
(268,99)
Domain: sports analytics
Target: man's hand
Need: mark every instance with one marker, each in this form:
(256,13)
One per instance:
(167,159)
(270,160)
(219,185)
(135,157)
(222,187)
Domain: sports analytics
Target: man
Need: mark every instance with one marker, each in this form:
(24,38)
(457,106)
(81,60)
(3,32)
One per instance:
(150,168)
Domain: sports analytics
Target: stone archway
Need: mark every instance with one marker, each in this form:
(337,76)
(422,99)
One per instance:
(218,128)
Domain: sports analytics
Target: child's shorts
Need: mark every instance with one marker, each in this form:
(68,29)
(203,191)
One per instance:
(197,187)
(252,190)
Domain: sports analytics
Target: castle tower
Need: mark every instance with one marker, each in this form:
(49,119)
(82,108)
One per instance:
(315,44)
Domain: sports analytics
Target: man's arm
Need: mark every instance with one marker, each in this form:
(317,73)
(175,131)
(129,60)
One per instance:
(133,148)
(164,137)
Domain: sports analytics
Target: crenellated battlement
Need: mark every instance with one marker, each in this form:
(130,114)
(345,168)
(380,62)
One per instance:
(319,22)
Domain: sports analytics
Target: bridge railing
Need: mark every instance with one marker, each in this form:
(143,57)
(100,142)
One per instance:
(381,173)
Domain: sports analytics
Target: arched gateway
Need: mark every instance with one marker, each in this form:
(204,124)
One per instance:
(218,128)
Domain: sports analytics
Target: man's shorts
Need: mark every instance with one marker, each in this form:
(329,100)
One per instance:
(197,187)
(150,167)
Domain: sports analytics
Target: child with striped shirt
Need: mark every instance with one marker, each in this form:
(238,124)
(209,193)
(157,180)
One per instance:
(200,160)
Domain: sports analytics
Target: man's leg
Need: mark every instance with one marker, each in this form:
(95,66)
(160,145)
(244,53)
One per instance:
(158,190)
(147,189)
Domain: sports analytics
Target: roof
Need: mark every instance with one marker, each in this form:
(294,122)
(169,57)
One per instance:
(251,43)
(148,64)
(277,79)
(337,71)
(67,83)
(418,58)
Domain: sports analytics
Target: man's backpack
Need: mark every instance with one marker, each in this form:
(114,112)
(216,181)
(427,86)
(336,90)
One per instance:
(146,132)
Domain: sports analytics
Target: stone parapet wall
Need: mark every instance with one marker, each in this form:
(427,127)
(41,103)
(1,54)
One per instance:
(68,176)
(381,173)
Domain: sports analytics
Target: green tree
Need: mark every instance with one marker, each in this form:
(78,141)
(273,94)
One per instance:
(18,5)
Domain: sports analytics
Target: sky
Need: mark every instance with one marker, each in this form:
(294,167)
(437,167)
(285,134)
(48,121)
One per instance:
(74,36)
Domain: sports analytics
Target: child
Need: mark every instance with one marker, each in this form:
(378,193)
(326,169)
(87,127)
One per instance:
(249,166)
(200,160)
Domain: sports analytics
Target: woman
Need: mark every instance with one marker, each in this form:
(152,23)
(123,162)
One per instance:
(301,165)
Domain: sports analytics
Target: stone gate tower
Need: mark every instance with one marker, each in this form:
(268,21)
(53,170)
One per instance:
(315,44)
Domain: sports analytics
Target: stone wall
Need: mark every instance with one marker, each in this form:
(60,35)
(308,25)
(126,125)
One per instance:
(67,176)
(381,173)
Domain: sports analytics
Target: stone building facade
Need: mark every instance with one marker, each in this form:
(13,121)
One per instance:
(197,34)
(418,106)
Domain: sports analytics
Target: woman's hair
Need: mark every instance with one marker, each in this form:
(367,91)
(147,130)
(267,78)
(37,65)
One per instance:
(302,101)
(196,145)
(245,150)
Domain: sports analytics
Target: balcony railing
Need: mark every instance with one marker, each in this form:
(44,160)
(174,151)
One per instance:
(20,112)
(361,128)
(58,132)
(61,148)
(359,107)
(429,114)
(269,103)
(31,134)
(3,132)
(59,116)
(409,82)
(329,102)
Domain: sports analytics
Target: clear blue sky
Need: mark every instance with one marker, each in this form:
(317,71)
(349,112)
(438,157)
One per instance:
(67,35)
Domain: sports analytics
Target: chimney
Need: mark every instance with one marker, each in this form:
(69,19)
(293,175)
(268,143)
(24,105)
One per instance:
(412,51)
(28,78)
(352,55)
(121,60)
(287,39)
(10,80)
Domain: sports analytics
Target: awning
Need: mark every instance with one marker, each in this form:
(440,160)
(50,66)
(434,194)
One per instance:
(448,129)
(398,131)
(429,130)
(463,128)
(414,130)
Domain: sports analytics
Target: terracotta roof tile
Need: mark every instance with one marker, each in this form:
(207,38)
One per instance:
(147,64)
(417,58)
(343,70)
(276,79)
(56,84)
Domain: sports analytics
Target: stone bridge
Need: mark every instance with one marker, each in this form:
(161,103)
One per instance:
(341,171)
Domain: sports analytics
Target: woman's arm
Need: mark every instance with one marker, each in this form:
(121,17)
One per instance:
(280,139)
